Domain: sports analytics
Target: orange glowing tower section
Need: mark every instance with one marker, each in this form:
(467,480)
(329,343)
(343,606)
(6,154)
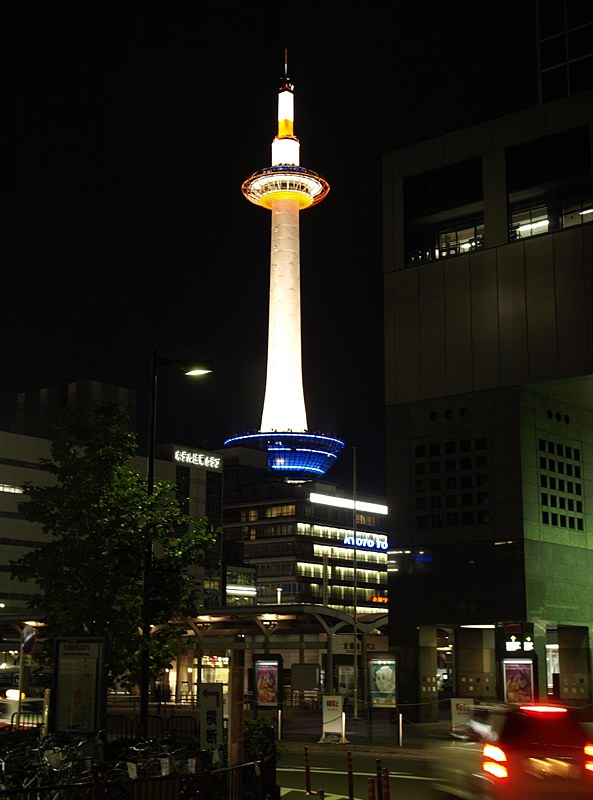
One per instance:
(285,189)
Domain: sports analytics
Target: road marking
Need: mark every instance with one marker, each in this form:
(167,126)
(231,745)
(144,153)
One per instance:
(319,770)
(328,796)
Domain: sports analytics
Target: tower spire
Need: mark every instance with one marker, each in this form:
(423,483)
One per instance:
(286,189)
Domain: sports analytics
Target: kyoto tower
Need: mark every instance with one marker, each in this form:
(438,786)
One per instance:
(286,189)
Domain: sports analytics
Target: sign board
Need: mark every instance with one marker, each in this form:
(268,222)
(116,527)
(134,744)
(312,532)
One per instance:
(211,716)
(331,705)
(28,640)
(346,678)
(267,689)
(462,710)
(198,458)
(382,682)
(518,680)
(78,698)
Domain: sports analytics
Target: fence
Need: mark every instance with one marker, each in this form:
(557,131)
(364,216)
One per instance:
(255,780)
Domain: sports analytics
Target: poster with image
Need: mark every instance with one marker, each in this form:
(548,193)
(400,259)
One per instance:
(518,681)
(345,679)
(382,682)
(266,683)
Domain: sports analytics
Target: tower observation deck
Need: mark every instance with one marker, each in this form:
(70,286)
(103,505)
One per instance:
(285,188)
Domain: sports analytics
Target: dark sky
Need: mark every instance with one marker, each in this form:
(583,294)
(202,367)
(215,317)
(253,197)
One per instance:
(131,128)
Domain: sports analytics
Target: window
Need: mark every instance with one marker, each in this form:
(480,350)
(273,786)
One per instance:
(281,511)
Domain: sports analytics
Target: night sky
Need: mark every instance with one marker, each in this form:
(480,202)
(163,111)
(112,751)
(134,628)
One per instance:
(131,128)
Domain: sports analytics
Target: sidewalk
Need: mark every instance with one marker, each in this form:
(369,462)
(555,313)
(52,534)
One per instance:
(418,741)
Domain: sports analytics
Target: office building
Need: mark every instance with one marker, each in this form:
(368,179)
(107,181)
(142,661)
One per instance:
(489,401)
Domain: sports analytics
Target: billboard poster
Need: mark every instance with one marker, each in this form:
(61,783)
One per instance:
(382,682)
(518,680)
(78,697)
(266,682)
(345,678)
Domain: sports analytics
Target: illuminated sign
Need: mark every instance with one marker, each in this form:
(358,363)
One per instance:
(197,459)
(365,542)
(378,599)
(344,502)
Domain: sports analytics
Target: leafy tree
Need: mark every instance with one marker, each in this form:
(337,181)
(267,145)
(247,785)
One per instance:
(101,521)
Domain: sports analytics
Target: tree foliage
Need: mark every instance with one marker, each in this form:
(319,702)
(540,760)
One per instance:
(101,522)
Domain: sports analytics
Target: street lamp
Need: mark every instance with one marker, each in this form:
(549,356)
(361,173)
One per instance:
(192,370)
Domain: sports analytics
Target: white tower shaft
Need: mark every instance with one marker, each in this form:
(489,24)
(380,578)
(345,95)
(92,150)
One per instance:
(284,402)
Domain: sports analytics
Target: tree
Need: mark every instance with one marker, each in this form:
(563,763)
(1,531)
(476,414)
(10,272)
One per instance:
(100,522)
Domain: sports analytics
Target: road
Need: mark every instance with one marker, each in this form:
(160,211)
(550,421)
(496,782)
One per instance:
(409,776)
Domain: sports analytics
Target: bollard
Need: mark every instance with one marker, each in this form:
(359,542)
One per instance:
(371,785)
(320,794)
(386,792)
(350,773)
(308,791)
(379,781)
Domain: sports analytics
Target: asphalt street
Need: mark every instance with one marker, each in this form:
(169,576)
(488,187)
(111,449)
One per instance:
(409,774)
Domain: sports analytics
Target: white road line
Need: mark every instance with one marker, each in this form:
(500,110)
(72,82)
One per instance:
(320,771)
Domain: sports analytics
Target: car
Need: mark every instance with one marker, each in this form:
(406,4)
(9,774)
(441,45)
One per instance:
(532,751)
(31,711)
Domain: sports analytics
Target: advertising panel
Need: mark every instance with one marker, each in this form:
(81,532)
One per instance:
(382,682)
(78,697)
(267,676)
(518,680)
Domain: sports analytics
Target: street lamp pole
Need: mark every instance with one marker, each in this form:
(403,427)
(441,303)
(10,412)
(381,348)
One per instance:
(147,556)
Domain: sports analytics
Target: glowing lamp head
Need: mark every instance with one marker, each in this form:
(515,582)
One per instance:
(195,372)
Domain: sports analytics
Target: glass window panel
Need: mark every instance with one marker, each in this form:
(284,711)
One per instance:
(578,13)
(554,84)
(553,51)
(580,43)
(551,17)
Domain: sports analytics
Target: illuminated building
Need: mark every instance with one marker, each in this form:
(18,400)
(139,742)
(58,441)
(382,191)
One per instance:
(489,399)
(299,537)
(285,189)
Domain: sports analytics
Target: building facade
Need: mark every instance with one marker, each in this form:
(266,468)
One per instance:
(489,399)
(305,543)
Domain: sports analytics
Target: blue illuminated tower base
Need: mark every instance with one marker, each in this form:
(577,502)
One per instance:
(296,455)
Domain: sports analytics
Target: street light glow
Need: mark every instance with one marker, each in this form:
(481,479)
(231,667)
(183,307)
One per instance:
(196,371)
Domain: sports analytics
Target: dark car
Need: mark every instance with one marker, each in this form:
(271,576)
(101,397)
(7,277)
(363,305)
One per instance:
(525,752)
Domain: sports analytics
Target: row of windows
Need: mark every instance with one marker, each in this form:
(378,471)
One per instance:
(451,465)
(288,510)
(453,518)
(451,482)
(21,542)
(562,502)
(562,520)
(562,450)
(549,482)
(450,447)
(549,464)
(452,500)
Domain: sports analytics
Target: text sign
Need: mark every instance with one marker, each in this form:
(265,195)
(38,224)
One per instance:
(332,713)
(365,542)
(211,716)
(196,458)
(78,684)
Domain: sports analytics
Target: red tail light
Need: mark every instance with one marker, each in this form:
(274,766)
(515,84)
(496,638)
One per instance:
(543,709)
(493,764)
(588,750)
